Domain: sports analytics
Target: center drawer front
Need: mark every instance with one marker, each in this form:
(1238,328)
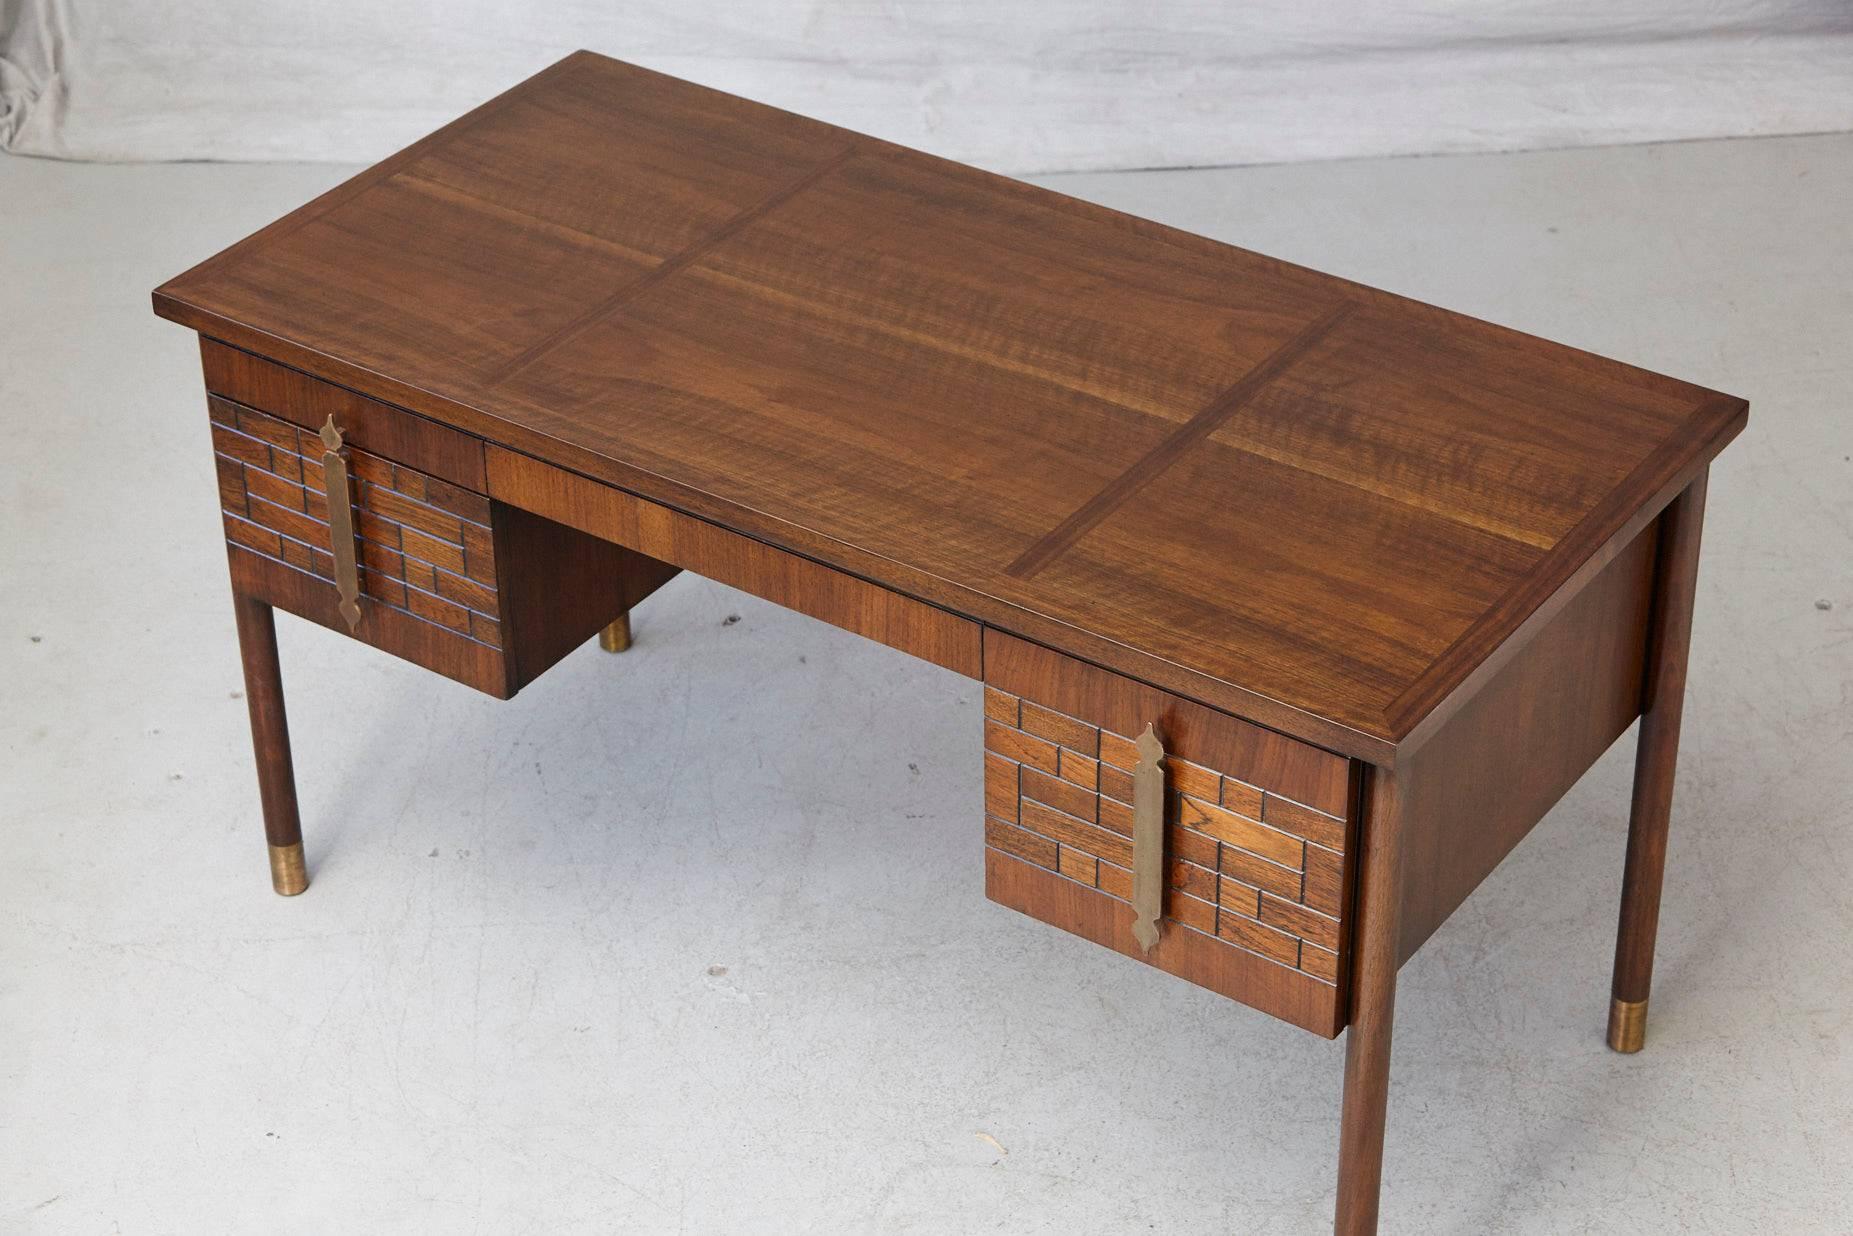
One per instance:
(1257,831)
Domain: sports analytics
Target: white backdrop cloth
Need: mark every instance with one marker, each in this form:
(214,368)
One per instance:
(1027,86)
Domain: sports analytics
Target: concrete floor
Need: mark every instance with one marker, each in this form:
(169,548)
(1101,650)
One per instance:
(693,940)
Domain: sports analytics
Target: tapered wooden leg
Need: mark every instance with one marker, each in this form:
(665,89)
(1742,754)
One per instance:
(617,636)
(1676,570)
(270,739)
(1373,1006)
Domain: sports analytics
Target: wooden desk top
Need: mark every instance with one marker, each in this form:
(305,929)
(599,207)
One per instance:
(1289,496)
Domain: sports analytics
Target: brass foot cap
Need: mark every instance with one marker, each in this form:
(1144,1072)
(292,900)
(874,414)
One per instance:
(617,636)
(1627,1025)
(288,875)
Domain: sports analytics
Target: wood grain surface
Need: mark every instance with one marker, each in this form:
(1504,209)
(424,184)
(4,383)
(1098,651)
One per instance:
(1272,491)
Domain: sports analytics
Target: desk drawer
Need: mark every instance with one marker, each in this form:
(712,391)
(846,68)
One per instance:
(368,425)
(1257,831)
(478,591)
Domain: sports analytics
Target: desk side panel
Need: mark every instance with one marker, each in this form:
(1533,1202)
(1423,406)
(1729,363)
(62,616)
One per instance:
(1494,769)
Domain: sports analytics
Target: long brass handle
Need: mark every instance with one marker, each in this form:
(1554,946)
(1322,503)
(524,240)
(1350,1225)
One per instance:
(1148,839)
(341,522)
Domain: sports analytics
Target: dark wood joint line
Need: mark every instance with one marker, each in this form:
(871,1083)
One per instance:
(1200,426)
(669,266)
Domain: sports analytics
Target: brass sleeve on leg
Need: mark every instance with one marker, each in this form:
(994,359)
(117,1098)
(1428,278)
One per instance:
(617,636)
(1627,1025)
(288,875)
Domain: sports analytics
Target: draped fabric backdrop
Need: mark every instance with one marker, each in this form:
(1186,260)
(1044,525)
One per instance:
(1029,86)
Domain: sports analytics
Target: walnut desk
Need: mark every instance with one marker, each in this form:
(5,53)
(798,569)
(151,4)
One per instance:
(1296,603)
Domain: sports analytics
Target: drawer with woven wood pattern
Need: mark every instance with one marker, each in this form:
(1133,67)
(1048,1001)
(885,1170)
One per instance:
(1255,858)
(444,577)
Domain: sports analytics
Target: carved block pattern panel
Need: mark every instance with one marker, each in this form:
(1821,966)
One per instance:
(425,547)
(1245,866)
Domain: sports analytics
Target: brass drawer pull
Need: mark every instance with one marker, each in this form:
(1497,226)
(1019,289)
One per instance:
(341,522)
(1148,839)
